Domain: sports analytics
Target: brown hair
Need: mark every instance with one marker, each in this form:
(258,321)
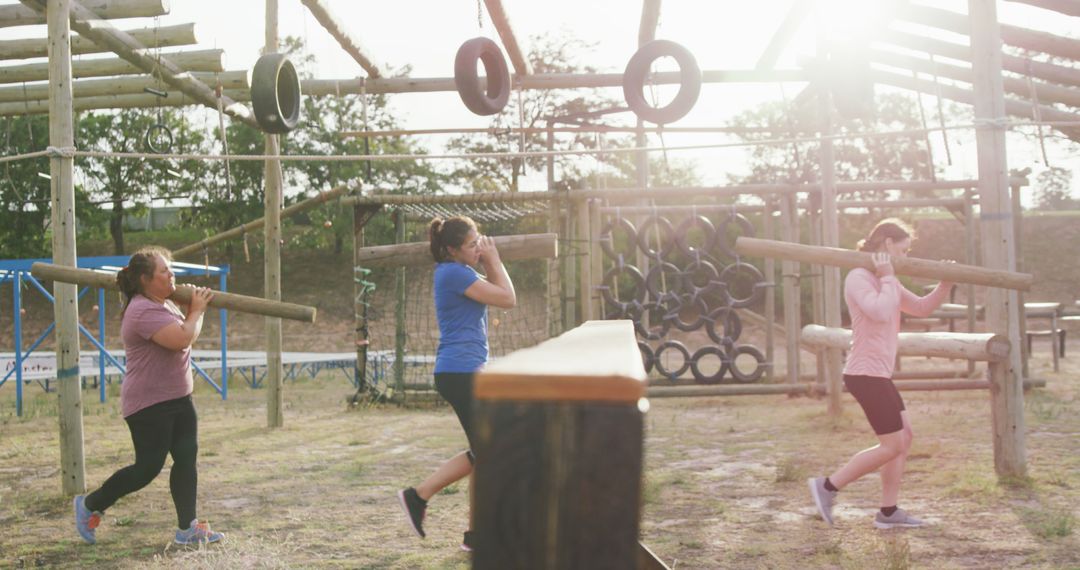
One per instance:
(143,263)
(889,228)
(447,233)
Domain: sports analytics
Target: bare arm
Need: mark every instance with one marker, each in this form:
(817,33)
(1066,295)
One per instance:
(497,289)
(179,337)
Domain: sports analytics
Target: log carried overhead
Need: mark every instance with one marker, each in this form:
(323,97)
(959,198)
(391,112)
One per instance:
(914,267)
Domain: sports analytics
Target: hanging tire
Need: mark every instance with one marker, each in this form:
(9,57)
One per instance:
(658,362)
(695,365)
(636,74)
(607,236)
(745,229)
(658,325)
(699,278)
(482,101)
(647,358)
(757,289)
(691,314)
(738,374)
(683,241)
(665,232)
(723,319)
(664,278)
(637,279)
(275,94)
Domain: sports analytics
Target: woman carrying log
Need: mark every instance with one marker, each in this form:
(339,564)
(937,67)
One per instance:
(155,396)
(875,300)
(461,299)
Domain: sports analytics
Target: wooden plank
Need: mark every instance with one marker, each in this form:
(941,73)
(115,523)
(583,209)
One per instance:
(967,346)
(792,20)
(19,15)
(511,248)
(914,267)
(347,41)
(207,60)
(513,47)
(163,36)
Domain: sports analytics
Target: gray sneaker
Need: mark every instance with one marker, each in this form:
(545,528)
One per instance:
(899,519)
(823,498)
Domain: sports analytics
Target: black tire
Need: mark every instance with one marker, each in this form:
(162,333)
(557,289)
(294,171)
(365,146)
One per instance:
(683,229)
(480,101)
(658,324)
(647,357)
(275,94)
(636,74)
(658,363)
(672,280)
(158,138)
(692,282)
(695,308)
(607,236)
(608,291)
(695,365)
(745,229)
(667,236)
(739,375)
(757,293)
(727,320)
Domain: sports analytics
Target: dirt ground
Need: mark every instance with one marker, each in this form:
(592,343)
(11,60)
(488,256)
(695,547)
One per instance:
(725,484)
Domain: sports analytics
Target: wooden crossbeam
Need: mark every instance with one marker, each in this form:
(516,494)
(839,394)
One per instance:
(1011,35)
(346,40)
(514,49)
(19,15)
(208,60)
(127,85)
(131,101)
(794,17)
(650,18)
(1067,7)
(164,36)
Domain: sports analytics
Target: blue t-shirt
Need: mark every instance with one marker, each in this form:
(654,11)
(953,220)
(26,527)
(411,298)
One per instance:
(463,345)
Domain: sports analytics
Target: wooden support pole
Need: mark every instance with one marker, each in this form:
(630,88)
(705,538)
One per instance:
(789,277)
(32,95)
(768,229)
(830,237)
(788,27)
(1020,312)
(511,248)
(1006,391)
(553,305)
(597,257)
(361,216)
(273,181)
(971,257)
(966,346)
(182,295)
(347,41)
(163,36)
(518,55)
(585,276)
(66,304)
(650,18)
(399,308)
(19,15)
(846,258)
(206,60)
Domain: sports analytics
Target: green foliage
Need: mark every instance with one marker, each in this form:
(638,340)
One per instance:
(1053,189)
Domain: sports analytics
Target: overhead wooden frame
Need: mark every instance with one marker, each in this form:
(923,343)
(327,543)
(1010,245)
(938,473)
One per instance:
(506,33)
(347,41)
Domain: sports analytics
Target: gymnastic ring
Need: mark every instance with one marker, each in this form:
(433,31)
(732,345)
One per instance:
(658,327)
(609,280)
(607,237)
(683,229)
(689,303)
(663,225)
(745,229)
(695,362)
(637,72)
(275,93)
(158,138)
(647,357)
(478,100)
(728,321)
(659,364)
(673,276)
(755,296)
(690,275)
(739,375)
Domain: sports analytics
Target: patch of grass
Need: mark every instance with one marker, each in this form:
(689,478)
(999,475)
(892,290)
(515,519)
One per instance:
(788,471)
(1049,523)
(452,489)
(896,554)
(977,485)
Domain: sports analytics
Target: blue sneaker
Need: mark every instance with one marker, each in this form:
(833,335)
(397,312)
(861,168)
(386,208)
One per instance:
(198,533)
(86,520)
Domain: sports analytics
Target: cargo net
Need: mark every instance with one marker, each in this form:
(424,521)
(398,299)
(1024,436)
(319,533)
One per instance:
(682,284)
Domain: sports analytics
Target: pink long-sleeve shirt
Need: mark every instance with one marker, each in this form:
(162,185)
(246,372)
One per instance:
(875,304)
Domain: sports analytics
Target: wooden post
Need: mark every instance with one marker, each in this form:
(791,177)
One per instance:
(553,304)
(569,275)
(272,261)
(66,306)
(399,309)
(789,271)
(597,257)
(1020,313)
(588,310)
(816,274)
(1006,392)
(767,227)
(971,257)
(361,215)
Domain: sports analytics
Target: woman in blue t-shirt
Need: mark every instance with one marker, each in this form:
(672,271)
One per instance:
(461,299)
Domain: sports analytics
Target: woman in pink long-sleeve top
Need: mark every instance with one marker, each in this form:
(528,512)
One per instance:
(875,300)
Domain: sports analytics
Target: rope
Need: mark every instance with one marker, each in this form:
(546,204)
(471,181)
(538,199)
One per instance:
(941,111)
(1035,112)
(922,119)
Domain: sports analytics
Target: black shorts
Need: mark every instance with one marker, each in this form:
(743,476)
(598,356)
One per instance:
(456,388)
(879,400)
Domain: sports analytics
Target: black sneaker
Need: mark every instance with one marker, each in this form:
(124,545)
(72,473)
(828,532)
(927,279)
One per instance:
(468,542)
(414,508)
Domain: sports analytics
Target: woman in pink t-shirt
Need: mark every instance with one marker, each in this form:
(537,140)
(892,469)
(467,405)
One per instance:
(155,395)
(875,300)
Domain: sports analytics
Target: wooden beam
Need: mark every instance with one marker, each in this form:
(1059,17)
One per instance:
(346,40)
(911,266)
(812,389)
(19,15)
(650,18)
(208,60)
(794,17)
(182,295)
(518,55)
(511,248)
(1016,36)
(127,85)
(964,346)
(273,195)
(164,36)
(175,99)
(1067,7)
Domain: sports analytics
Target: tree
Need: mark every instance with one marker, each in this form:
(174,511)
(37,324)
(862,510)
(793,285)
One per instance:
(1053,189)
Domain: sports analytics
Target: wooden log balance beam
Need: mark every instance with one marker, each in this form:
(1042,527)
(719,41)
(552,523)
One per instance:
(965,346)
(559,453)
(511,248)
(182,295)
(914,267)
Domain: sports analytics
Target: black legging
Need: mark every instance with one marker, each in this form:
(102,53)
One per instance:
(162,429)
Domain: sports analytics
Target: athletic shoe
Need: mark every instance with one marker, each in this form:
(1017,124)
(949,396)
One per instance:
(468,542)
(823,498)
(85,520)
(414,508)
(899,519)
(197,533)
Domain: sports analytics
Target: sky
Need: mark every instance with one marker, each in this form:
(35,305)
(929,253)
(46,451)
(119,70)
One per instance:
(722,34)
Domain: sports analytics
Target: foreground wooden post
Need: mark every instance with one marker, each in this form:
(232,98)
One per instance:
(559,458)
(789,270)
(272,179)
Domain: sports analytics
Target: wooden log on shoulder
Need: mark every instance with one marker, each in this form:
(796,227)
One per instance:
(182,295)
(967,346)
(212,60)
(914,267)
(511,248)
(20,15)
(163,36)
(559,451)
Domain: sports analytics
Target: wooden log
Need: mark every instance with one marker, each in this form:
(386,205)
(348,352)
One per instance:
(966,346)
(182,296)
(1067,7)
(164,36)
(511,248)
(514,50)
(914,267)
(815,389)
(130,85)
(347,41)
(1024,38)
(650,18)
(175,99)
(212,60)
(559,453)
(20,15)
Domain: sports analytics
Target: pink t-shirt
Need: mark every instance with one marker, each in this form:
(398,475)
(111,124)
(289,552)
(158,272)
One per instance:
(155,374)
(875,306)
